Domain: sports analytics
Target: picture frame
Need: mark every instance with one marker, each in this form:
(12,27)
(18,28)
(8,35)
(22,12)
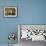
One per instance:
(36,32)
(10,11)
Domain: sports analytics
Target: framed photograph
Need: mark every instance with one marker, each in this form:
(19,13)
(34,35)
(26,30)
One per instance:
(33,32)
(10,11)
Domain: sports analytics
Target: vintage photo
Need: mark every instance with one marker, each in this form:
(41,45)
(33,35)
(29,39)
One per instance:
(10,11)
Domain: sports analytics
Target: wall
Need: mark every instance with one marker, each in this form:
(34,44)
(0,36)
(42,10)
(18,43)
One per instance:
(29,12)
(7,25)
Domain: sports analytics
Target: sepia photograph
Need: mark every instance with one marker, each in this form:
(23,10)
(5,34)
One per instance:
(10,11)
